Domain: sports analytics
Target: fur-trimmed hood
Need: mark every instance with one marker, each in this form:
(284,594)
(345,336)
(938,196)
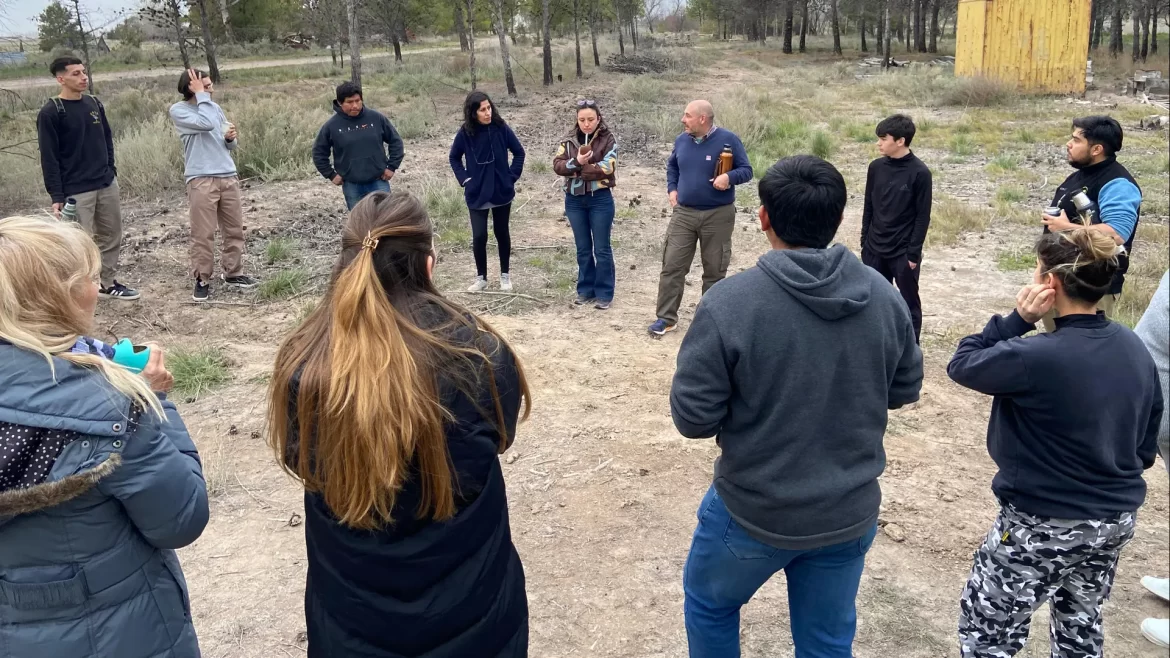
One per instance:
(66,400)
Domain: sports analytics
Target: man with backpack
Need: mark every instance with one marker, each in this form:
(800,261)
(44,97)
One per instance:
(77,161)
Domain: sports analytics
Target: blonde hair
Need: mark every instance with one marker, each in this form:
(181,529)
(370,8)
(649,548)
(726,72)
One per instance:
(1083,259)
(43,262)
(356,402)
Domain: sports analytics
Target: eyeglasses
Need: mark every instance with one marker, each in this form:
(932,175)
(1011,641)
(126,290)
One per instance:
(587,103)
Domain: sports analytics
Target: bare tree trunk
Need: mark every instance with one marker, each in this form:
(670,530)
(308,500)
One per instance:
(788,16)
(505,54)
(1115,43)
(460,25)
(593,31)
(620,29)
(177,22)
(546,55)
(1154,29)
(886,31)
(633,29)
(836,27)
(1094,9)
(577,35)
(1137,31)
(471,40)
(84,44)
(879,29)
(803,23)
(355,42)
(934,9)
(208,42)
(1146,31)
(861,31)
(226,16)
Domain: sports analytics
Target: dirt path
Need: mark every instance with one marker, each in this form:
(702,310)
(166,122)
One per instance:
(602,490)
(165,70)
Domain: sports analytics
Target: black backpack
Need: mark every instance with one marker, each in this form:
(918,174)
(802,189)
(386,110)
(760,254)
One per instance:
(61,106)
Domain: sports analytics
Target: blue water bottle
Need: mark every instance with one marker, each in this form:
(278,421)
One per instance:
(130,356)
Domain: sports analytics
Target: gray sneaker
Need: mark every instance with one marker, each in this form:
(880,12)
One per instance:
(480,284)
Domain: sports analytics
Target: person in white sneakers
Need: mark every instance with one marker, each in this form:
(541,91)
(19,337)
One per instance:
(1154,330)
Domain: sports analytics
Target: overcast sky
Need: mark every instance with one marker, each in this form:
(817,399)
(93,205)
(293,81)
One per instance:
(22,14)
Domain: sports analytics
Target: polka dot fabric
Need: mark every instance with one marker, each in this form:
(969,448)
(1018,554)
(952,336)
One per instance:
(27,454)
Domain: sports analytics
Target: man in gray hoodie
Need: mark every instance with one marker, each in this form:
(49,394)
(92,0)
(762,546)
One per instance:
(213,188)
(792,366)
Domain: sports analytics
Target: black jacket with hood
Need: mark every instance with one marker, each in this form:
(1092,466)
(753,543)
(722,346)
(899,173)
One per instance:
(792,366)
(357,146)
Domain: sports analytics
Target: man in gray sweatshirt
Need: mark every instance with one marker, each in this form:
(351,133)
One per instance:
(213,189)
(792,365)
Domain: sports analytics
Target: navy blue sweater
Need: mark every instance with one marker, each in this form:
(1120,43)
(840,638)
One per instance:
(480,163)
(691,168)
(1076,413)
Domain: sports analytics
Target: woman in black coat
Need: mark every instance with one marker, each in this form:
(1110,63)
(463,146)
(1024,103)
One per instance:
(409,399)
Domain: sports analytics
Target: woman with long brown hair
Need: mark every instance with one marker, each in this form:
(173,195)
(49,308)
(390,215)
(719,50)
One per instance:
(390,404)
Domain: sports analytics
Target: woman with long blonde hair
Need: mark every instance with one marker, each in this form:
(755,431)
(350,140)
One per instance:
(391,405)
(99,480)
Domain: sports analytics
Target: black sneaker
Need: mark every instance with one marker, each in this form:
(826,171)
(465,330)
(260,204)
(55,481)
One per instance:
(119,291)
(241,281)
(202,290)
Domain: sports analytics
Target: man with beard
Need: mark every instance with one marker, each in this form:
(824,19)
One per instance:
(1092,151)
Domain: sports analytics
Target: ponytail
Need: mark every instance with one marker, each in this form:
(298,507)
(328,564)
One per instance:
(1083,259)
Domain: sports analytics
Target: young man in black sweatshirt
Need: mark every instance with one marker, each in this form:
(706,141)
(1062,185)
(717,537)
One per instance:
(77,161)
(792,365)
(896,214)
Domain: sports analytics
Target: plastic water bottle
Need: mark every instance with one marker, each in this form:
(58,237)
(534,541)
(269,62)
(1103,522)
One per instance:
(69,211)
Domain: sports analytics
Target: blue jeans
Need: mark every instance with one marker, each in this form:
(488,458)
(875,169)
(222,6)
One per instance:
(727,565)
(591,216)
(355,192)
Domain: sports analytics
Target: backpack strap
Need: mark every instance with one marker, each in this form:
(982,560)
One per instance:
(60,107)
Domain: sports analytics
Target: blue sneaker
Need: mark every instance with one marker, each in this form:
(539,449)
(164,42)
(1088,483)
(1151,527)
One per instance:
(660,328)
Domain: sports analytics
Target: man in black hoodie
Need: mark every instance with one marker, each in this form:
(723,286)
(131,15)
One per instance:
(896,214)
(792,366)
(355,135)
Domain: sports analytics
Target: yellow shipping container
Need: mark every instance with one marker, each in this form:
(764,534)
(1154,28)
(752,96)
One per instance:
(1036,45)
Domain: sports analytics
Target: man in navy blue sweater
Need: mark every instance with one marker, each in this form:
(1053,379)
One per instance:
(704,208)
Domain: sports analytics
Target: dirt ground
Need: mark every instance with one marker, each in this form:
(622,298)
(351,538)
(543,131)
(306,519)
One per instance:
(602,490)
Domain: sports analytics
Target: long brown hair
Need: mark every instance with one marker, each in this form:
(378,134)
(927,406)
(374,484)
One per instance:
(355,405)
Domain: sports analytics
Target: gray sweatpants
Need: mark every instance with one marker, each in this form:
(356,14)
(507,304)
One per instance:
(100,213)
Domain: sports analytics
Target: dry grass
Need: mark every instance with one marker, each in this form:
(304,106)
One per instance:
(950,218)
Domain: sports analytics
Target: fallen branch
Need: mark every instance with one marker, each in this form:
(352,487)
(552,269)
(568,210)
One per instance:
(508,294)
(211,303)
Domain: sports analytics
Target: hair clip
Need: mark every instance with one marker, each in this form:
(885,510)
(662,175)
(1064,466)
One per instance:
(369,242)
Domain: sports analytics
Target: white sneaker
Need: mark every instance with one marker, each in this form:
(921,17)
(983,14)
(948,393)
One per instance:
(506,282)
(479,286)
(1159,586)
(1157,631)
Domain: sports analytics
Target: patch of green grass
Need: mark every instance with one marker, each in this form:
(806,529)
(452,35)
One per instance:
(540,167)
(951,218)
(199,370)
(1002,164)
(627,213)
(962,145)
(821,145)
(1025,136)
(448,211)
(643,89)
(1008,194)
(279,250)
(1016,260)
(283,284)
(861,133)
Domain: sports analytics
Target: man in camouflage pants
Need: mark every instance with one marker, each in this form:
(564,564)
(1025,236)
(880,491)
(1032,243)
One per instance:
(1026,561)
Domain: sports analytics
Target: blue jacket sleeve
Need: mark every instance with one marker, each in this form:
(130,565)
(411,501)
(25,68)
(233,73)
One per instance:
(518,154)
(741,172)
(160,482)
(1118,202)
(322,147)
(672,169)
(455,157)
(702,386)
(990,362)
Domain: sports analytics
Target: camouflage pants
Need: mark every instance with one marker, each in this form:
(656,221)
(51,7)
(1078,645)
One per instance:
(1026,561)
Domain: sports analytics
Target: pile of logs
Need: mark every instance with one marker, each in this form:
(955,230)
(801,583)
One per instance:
(637,63)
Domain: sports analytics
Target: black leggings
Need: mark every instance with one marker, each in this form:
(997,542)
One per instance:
(479,237)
